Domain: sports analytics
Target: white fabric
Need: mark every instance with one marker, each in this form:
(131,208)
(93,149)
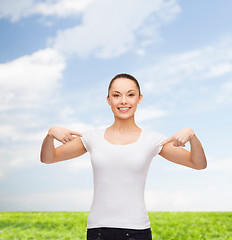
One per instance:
(119,173)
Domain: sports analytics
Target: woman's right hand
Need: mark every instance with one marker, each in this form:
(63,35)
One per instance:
(62,134)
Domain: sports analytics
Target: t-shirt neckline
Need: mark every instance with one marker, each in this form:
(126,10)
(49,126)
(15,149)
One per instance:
(119,145)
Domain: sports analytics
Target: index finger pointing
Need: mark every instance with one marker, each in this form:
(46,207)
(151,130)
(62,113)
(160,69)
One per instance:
(165,141)
(75,133)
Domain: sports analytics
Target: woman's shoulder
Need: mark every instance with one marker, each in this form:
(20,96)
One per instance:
(155,134)
(90,131)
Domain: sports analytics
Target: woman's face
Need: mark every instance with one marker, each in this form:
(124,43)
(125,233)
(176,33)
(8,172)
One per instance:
(124,97)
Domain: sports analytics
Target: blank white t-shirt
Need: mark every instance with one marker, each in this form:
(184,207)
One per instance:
(119,173)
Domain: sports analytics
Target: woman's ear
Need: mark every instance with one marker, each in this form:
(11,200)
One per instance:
(140,99)
(108,100)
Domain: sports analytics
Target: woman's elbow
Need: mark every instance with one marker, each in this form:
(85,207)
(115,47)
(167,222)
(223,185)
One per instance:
(201,167)
(45,160)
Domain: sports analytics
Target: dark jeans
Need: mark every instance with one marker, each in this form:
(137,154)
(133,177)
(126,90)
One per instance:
(109,233)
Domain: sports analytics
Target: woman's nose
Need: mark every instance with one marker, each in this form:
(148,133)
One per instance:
(123,99)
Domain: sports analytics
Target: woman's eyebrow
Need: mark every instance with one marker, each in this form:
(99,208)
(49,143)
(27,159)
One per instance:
(127,91)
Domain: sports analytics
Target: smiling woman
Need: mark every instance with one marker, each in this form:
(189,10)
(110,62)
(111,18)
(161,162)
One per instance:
(121,155)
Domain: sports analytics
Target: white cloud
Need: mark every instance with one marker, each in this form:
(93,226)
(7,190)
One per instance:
(61,8)
(109,28)
(183,200)
(27,85)
(169,201)
(182,69)
(219,70)
(224,93)
(68,200)
(18,156)
(28,80)
(140,52)
(15,10)
(149,112)
(227,86)
(220,164)
(1,174)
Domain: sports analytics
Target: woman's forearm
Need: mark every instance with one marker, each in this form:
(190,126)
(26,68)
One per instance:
(47,149)
(197,153)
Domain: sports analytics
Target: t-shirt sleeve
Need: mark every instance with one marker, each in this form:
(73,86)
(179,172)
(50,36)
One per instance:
(158,138)
(86,139)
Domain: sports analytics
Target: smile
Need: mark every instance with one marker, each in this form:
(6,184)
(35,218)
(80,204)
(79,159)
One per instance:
(124,109)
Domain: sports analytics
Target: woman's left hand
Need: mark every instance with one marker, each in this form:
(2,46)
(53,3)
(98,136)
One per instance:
(180,138)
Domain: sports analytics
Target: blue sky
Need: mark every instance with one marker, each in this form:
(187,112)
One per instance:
(56,61)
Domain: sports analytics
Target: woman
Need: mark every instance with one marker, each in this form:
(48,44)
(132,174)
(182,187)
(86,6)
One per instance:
(121,155)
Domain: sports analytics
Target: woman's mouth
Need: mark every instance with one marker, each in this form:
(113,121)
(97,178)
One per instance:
(124,109)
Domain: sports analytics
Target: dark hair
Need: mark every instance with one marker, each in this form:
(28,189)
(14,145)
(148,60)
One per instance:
(124,75)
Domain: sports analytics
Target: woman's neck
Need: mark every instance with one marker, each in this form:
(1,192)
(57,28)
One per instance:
(124,125)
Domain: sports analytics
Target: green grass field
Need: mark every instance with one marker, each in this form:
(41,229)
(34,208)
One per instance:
(72,225)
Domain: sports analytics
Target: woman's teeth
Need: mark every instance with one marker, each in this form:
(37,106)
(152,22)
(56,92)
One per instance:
(123,109)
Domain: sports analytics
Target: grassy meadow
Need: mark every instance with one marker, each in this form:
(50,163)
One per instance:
(72,225)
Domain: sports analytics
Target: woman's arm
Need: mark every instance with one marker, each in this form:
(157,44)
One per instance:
(47,149)
(197,153)
(71,148)
(171,151)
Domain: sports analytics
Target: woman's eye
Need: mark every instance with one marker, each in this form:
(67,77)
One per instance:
(116,95)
